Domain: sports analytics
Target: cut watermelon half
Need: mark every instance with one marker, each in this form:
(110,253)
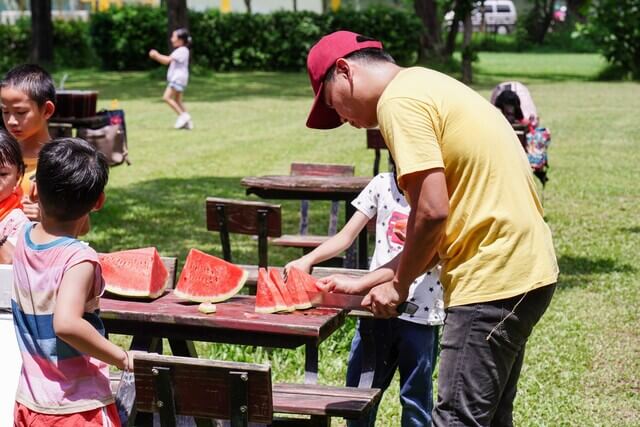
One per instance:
(136,273)
(297,290)
(303,279)
(268,298)
(206,278)
(276,278)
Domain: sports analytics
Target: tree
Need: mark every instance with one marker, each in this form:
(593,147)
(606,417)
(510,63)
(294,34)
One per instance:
(431,39)
(41,32)
(613,25)
(177,17)
(576,10)
(538,20)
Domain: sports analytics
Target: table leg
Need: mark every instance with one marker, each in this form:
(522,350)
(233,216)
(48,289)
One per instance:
(183,348)
(311,364)
(146,343)
(363,243)
(367,339)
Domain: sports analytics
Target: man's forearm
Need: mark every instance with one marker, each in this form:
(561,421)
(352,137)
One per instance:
(420,249)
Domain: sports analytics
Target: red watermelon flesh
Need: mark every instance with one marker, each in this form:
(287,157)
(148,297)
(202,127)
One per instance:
(206,278)
(306,280)
(296,288)
(276,278)
(134,273)
(268,298)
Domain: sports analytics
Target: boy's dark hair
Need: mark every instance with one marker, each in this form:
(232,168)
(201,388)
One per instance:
(183,34)
(10,153)
(70,177)
(33,80)
(370,54)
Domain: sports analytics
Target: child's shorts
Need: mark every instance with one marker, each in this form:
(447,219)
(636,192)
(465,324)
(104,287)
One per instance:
(177,86)
(106,416)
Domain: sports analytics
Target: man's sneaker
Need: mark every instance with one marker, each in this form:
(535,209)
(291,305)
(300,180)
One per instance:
(188,125)
(182,120)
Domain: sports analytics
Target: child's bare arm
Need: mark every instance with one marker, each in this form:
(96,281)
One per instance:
(158,57)
(334,246)
(69,325)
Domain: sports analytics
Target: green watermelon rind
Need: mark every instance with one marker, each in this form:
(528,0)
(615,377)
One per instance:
(218,298)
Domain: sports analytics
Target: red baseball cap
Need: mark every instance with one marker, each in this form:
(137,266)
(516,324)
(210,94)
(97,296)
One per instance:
(322,56)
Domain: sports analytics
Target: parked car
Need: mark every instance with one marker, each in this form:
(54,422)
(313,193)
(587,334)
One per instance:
(499,16)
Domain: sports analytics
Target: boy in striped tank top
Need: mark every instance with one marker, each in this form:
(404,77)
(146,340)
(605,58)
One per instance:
(57,286)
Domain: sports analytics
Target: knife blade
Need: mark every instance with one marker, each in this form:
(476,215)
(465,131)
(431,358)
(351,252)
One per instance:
(351,302)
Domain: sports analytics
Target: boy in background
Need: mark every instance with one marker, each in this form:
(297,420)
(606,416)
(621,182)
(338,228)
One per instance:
(27,96)
(56,293)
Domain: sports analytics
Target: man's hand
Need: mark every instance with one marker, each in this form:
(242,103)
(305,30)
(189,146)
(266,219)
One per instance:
(384,299)
(153,53)
(342,284)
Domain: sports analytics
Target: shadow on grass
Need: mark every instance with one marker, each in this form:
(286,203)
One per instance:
(208,87)
(576,270)
(634,229)
(169,213)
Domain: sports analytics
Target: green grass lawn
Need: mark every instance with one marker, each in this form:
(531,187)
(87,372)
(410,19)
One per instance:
(582,366)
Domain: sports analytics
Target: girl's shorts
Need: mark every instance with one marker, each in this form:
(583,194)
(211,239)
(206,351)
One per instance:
(177,86)
(106,416)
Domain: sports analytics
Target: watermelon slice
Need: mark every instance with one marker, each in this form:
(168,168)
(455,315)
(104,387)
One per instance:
(206,278)
(276,278)
(297,290)
(207,307)
(268,298)
(134,273)
(306,280)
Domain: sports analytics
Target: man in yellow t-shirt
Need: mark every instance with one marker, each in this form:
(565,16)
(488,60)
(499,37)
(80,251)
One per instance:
(474,208)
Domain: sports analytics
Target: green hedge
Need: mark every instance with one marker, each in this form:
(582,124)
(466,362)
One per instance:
(120,38)
(240,41)
(71,40)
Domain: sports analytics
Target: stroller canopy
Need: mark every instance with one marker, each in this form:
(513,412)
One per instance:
(527,106)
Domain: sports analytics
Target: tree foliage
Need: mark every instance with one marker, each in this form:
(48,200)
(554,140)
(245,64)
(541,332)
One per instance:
(614,25)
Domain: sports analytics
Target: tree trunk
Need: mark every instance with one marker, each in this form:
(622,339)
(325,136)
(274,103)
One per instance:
(295,5)
(540,19)
(431,39)
(177,17)
(247,4)
(467,54)
(41,32)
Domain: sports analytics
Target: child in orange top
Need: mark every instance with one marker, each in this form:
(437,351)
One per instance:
(11,216)
(27,95)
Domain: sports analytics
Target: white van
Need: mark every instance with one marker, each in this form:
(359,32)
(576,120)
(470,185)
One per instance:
(499,16)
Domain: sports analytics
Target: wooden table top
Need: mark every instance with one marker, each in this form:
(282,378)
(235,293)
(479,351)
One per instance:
(311,187)
(236,314)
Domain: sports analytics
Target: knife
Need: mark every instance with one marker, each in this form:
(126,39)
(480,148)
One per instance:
(351,302)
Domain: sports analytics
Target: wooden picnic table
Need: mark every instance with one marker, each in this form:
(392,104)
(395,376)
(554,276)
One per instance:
(301,187)
(235,322)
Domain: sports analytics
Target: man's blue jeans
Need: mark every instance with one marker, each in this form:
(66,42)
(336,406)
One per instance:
(410,347)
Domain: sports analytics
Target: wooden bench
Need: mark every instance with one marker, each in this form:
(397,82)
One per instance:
(244,217)
(303,240)
(239,392)
(375,141)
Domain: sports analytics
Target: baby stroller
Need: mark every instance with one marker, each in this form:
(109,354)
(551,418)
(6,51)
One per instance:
(516,103)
